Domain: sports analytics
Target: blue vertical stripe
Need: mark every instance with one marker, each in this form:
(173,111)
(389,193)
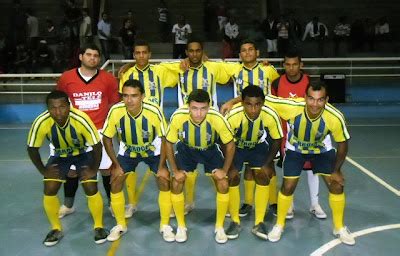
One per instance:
(205,78)
(250,75)
(186,131)
(249,131)
(209,132)
(197,136)
(261,83)
(54,136)
(297,121)
(194,80)
(144,128)
(132,125)
(240,86)
(321,128)
(307,132)
(122,126)
(141,79)
(151,79)
(185,82)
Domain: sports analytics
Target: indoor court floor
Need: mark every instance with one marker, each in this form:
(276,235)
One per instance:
(372,209)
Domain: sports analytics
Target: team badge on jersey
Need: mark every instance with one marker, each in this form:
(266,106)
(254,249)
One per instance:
(182,79)
(205,83)
(152,86)
(181,134)
(119,130)
(260,133)
(261,83)
(208,137)
(239,81)
(75,141)
(146,134)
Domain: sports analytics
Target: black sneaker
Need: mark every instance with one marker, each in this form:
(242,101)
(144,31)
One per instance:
(100,235)
(53,237)
(274,209)
(245,210)
(260,231)
(233,230)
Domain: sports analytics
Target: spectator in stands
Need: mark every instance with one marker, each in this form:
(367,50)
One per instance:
(22,59)
(231,38)
(85,29)
(127,34)
(318,32)
(18,26)
(62,54)
(382,31)
(163,21)
(283,35)
(357,35)
(43,57)
(295,31)
(50,32)
(341,33)
(271,35)
(182,32)
(255,33)
(32,30)
(104,33)
(369,31)
(222,17)
(73,18)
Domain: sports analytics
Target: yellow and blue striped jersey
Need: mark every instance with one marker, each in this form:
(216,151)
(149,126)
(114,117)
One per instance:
(137,134)
(198,136)
(154,79)
(72,139)
(248,133)
(307,135)
(205,77)
(259,75)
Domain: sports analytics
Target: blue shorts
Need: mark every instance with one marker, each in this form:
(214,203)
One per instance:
(64,164)
(323,163)
(187,158)
(254,157)
(129,164)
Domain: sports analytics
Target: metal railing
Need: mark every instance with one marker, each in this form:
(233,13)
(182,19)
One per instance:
(35,84)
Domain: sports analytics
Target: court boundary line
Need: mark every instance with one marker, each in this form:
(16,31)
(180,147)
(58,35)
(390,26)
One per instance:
(373,176)
(333,243)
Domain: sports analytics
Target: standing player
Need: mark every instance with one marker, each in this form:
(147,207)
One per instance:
(154,79)
(140,126)
(198,75)
(250,72)
(195,128)
(250,121)
(92,91)
(310,120)
(293,84)
(71,132)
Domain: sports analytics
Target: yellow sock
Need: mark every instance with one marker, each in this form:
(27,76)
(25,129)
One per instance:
(234,203)
(51,206)
(273,195)
(165,204)
(190,185)
(249,191)
(284,203)
(178,202)
(222,208)
(260,203)
(95,204)
(337,203)
(130,183)
(118,207)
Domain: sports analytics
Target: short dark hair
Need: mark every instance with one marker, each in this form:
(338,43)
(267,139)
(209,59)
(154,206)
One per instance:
(91,46)
(134,84)
(292,54)
(248,41)
(141,42)
(198,95)
(317,86)
(253,91)
(56,94)
(195,40)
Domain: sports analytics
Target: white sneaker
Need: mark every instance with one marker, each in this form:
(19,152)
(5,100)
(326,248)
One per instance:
(290,213)
(181,235)
(130,209)
(167,233)
(64,211)
(317,211)
(172,214)
(189,208)
(344,236)
(220,236)
(275,234)
(116,232)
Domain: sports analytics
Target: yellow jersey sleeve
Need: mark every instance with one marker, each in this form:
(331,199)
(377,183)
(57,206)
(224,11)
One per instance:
(168,76)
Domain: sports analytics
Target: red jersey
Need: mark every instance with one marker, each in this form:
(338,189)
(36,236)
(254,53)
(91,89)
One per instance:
(94,97)
(284,88)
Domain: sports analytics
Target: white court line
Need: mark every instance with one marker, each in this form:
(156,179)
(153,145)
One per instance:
(326,247)
(373,176)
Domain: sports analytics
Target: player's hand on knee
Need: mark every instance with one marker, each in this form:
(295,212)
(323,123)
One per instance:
(219,174)
(337,177)
(163,173)
(180,176)
(52,172)
(116,172)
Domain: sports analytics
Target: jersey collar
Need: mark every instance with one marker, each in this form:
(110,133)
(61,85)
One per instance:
(314,119)
(144,69)
(197,68)
(249,69)
(91,79)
